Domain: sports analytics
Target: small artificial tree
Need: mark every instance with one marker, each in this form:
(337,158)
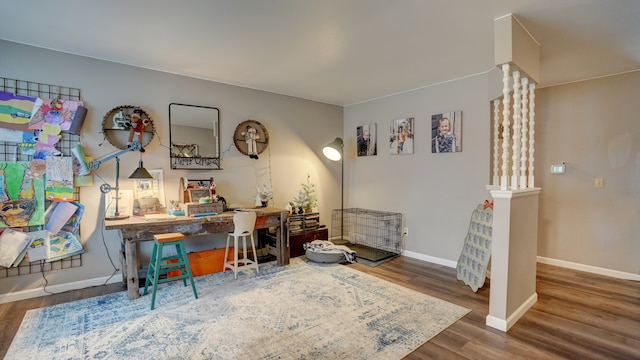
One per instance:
(306,199)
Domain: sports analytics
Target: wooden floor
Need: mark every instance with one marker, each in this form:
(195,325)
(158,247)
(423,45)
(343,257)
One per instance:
(578,315)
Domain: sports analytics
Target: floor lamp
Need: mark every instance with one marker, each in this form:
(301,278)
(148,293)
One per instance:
(334,151)
(139,173)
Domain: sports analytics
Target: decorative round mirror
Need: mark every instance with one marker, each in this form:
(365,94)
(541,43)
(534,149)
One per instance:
(251,138)
(125,124)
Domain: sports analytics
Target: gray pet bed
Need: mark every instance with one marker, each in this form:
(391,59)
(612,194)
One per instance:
(324,251)
(325,257)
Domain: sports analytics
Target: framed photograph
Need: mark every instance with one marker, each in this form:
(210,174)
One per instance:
(366,135)
(196,194)
(150,188)
(446,132)
(401,136)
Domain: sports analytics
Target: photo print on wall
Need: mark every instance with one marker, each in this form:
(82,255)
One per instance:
(446,132)
(401,136)
(366,135)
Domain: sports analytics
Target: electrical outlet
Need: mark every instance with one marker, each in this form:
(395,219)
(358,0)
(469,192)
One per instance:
(406,232)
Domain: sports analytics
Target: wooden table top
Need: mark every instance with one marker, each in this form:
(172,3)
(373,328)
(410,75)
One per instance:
(140,222)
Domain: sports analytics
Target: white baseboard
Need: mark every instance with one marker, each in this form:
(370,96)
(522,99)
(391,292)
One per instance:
(32,293)
(566,264)
(431,259)
(506,324)
(590,269)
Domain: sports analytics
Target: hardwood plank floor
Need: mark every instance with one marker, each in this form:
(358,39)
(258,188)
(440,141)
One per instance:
(578,315)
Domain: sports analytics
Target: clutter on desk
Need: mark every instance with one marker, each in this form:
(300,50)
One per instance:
(174,209)
(194,209)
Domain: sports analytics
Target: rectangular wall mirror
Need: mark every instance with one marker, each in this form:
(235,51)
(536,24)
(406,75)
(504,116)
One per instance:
(194,137)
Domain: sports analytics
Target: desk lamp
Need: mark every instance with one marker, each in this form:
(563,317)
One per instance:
(139,173)
(334,151)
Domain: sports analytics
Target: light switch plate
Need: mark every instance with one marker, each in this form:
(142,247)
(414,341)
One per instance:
(599,182)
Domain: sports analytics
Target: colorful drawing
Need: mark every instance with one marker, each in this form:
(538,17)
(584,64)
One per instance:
(38,248)
(70,218)
(59,186)
(49,118)
(21,193)
(53,112)
(63,245)
(15,111)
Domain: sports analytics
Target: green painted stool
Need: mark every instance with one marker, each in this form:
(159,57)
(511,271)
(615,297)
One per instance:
(162,265)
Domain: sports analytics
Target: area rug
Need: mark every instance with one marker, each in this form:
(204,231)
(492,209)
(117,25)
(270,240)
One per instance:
(300,311)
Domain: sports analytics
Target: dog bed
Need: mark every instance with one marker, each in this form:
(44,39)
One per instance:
(324,251)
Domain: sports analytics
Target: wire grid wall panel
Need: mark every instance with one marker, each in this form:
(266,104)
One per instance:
(10,152)
(374,235)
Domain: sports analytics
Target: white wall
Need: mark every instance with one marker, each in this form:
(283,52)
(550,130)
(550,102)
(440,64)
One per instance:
(436,192)
(297,129)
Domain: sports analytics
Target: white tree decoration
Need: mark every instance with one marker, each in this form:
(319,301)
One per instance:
(306,198)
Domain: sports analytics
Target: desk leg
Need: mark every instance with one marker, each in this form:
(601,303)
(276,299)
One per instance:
(123,262)
(131,258)
(282,241)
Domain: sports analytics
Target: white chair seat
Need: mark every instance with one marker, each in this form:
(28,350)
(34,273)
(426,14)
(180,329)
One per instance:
(244,223)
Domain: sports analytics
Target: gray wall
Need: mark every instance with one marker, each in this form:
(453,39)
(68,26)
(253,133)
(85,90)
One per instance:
(297,128)
(594,126)
(435,192)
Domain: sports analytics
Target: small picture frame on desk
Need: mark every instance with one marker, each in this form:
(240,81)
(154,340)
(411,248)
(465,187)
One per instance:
(196,194)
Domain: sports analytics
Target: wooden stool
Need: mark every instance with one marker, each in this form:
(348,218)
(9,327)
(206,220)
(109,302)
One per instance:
(161,265)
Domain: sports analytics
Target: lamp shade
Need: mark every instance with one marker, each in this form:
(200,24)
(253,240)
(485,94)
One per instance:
(333,150)
(140,173)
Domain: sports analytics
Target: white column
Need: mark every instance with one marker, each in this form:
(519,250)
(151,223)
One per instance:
(532,132)
(513,256)
(496,142)
(525,129)
(506,102)
(515,159)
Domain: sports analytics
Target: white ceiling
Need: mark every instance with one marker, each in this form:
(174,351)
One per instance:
(333,51)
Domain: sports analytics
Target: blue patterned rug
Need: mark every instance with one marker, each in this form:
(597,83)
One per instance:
(301,311)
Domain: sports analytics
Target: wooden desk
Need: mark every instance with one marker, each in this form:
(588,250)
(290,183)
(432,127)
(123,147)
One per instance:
(134,230)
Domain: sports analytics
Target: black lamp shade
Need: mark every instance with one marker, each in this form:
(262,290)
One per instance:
(140,173)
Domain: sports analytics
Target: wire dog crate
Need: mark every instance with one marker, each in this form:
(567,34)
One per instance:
(374,235)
